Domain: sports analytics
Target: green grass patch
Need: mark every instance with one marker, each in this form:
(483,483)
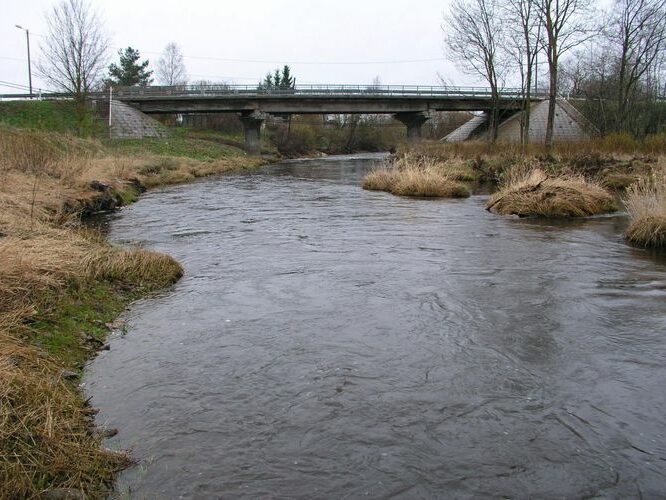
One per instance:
(197,149)
(55,116)
(61,328)
(52,116)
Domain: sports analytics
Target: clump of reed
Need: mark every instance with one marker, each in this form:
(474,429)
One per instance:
(528,191)
(646,204)
(417,176)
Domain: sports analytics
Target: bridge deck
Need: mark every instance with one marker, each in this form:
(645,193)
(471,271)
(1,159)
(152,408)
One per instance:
(304,99)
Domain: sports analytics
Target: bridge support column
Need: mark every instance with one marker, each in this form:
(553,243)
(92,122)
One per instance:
(252,122)
(413,121)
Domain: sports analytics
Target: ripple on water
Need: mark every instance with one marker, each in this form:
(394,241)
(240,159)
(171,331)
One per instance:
(332,342)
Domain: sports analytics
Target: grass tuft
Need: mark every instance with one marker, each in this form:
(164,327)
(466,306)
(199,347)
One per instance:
(416,176)
(534,193)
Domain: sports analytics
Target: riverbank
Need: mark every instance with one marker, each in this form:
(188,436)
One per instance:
(574,180)
(62,285)
(615,162)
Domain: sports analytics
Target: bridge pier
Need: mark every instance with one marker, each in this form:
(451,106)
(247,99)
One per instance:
(413,121)
(252,121)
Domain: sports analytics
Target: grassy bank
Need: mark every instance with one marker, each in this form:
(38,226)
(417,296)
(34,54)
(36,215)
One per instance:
(54,116)
(615,161)
(62,284)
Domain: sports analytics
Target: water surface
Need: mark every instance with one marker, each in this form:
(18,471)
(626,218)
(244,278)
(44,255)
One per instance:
(329,342)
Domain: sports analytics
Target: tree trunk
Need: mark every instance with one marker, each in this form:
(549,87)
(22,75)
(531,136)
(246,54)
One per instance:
(527,103)
(493,123)
(552,102)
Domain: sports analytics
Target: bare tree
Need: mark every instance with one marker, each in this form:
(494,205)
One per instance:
(74,51)
(524,46)
(639,31)
(170,66)
(566,25)
(474,32)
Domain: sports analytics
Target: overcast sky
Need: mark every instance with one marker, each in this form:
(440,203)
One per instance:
(345,41)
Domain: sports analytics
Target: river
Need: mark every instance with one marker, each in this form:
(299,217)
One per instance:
(330,342)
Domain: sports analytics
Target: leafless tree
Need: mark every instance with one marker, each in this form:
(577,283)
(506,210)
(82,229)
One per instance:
(566,24)
(74,50)
(639,31)
(170,66)
(524,45)
(474,33)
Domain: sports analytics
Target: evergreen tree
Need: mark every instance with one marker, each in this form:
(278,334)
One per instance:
(278,80)
(287,81)
(130,72)
(267,83)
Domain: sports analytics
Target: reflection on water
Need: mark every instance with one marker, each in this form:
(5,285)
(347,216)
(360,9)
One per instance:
(332,342)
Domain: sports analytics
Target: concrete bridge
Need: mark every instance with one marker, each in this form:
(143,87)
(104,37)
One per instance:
(409,104)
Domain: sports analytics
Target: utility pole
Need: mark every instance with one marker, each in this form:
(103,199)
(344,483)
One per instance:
(27,39)
(110,105)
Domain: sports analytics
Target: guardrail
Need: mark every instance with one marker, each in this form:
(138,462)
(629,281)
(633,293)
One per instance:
(312,90)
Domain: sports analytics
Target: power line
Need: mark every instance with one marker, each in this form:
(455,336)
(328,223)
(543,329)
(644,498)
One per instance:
(314,63)
(13,59)
(13,85)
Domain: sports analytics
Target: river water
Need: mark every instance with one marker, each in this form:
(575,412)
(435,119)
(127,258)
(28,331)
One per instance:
(329,342)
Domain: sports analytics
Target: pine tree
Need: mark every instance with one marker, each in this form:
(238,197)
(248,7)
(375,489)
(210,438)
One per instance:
(278,80)
(130,72)
(287,81)
(267,83)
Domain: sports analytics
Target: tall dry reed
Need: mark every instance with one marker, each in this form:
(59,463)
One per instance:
(646,204)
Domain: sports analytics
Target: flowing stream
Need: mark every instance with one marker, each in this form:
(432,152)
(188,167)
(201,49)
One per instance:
(330,342)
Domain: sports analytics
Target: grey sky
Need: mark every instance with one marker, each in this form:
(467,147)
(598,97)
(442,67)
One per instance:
(286,31)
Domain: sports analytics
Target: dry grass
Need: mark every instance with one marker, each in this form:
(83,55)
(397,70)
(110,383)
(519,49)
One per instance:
(531,192)
(46,436)
(615,161)
(416,176)
(646,203)
(612,144)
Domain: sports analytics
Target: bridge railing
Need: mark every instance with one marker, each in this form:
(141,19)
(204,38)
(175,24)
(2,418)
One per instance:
(312,90)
